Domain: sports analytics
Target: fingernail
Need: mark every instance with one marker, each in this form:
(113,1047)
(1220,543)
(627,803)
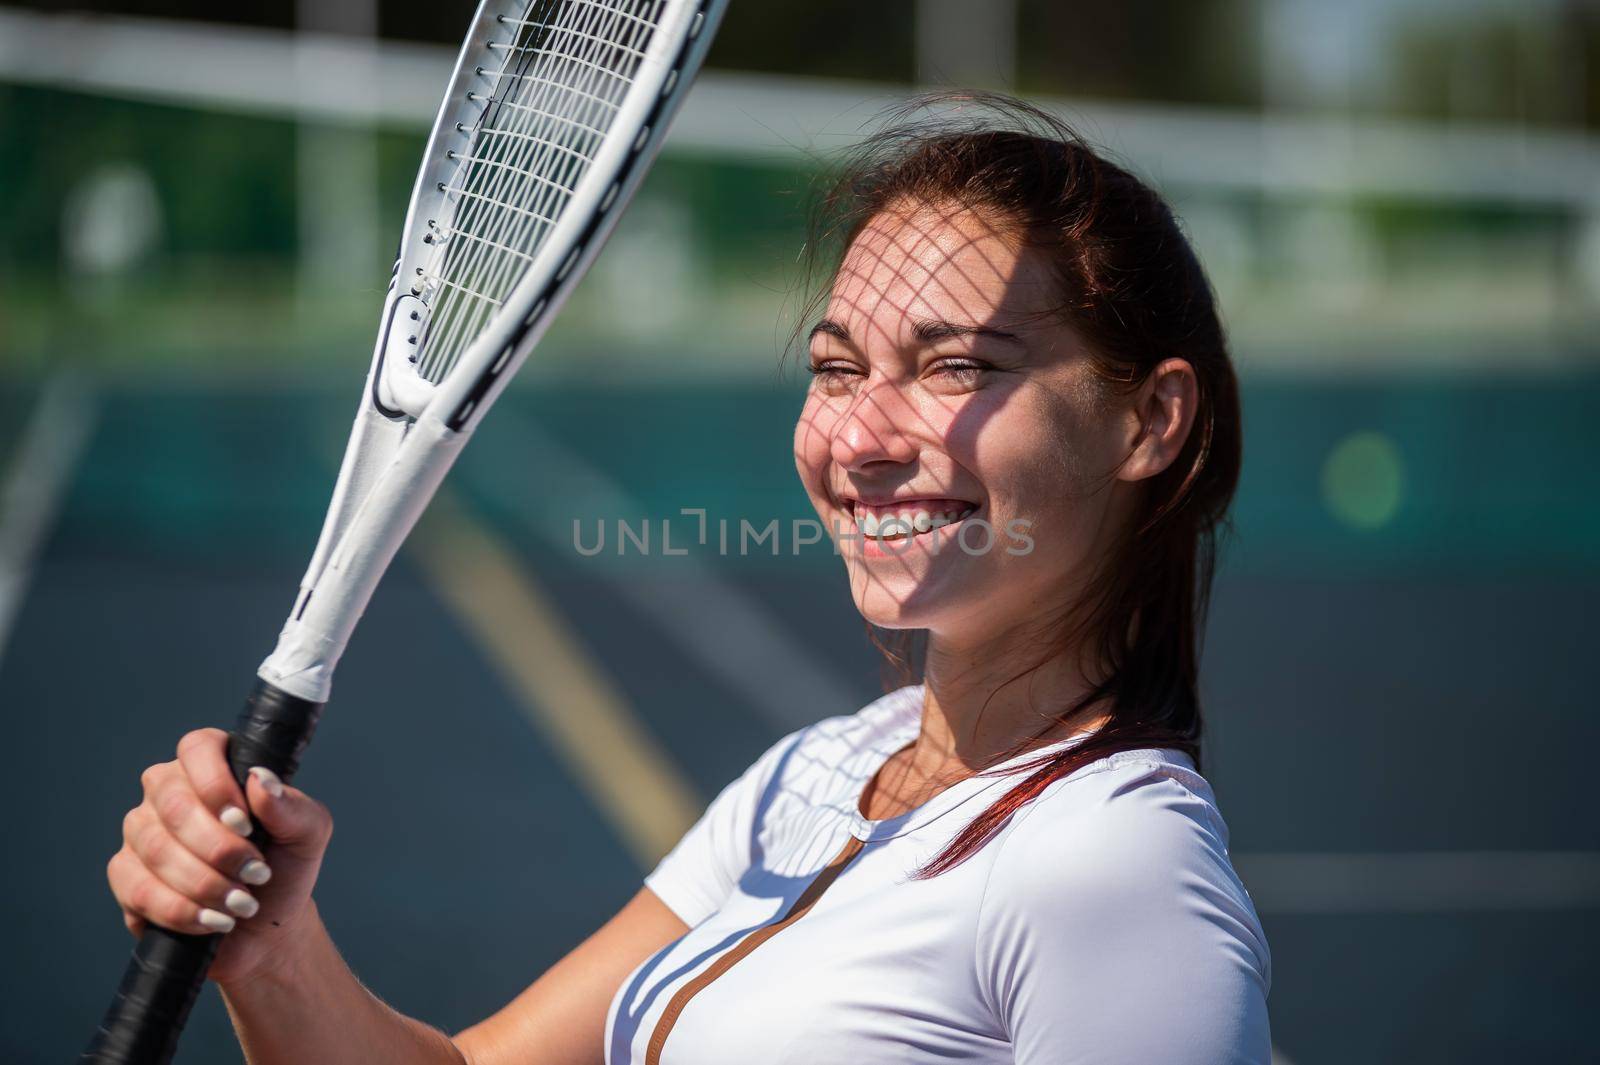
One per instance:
(269,780)
(235,819)
(217,922)
(255,872)
(241,903)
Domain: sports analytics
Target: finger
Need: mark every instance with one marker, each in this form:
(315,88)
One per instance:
(116,878)
(173,864)
(176,806)
(298,824)
(203,754)
(144,898)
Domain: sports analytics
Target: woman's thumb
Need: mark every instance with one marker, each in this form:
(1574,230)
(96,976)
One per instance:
(295,821)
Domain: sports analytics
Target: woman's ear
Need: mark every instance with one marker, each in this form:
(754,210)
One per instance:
(1163,412)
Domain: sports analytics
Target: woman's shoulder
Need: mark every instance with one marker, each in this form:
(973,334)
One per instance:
(1128,814)
(1140,783)
(1135,839)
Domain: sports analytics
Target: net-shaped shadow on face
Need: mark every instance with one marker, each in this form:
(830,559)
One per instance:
(936,314)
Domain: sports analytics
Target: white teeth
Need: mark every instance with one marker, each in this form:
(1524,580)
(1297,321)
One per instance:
(895,525)
(906,522)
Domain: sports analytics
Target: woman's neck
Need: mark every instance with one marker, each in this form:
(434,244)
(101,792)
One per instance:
(990,699)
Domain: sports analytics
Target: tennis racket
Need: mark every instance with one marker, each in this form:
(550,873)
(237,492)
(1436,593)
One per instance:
(552,116)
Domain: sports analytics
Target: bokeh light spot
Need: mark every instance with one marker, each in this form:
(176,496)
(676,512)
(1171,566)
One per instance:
(1363,480)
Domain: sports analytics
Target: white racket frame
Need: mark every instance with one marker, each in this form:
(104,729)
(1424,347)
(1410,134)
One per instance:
(409,431)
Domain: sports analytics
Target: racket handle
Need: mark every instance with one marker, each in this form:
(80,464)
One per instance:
(168,968)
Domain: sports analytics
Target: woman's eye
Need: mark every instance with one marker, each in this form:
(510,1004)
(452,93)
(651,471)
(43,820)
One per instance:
(961,371)
(832,373)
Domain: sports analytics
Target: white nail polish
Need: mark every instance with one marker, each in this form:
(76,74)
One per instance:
(269,780)
(255,872)
(217,922)
(235,819)
(241,903)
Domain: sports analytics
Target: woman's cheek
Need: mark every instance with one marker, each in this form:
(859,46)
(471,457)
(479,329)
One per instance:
(813,437)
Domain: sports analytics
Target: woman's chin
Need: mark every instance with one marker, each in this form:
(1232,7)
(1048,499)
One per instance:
(901,604)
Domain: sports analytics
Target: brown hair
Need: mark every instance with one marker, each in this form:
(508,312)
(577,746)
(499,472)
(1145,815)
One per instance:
(1132,287)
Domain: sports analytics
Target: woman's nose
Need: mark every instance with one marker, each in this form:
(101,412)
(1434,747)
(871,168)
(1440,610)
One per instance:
(879,427)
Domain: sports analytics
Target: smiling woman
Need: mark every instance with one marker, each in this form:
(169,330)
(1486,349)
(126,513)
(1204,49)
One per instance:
(1018,323)
(1023,430)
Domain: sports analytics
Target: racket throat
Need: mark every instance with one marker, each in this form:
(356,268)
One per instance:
(401,387)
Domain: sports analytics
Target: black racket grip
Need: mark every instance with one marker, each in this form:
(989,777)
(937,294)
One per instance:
(168,969)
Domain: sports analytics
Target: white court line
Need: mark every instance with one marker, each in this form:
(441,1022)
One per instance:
(36,482)
(1421,881)
(729,634)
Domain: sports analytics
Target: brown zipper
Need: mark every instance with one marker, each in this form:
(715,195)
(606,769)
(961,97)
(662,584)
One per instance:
(807,899)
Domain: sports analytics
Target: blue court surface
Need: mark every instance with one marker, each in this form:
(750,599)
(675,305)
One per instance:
(1402,717)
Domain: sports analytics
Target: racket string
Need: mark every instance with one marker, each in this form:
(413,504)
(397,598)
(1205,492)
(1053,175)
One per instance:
(549,86)
(495,185)
(457,319)
(528,136)
(548,89)
(564,119)
(447,234)
(468,293)
(503,206)
(560,83)
(557,189)
(499,46)
(488,193)
(475,160)
(645,23)
(599,68)
(549,197)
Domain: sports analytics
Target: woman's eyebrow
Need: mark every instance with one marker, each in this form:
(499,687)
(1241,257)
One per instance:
(927,331)
(930,331)
(829,327)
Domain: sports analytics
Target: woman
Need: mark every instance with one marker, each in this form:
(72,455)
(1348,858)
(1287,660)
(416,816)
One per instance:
(1023,430)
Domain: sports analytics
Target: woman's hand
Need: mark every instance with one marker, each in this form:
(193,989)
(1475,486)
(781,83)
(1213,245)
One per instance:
(186,865)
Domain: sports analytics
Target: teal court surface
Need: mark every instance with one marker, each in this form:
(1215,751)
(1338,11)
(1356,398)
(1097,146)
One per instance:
(1398,677)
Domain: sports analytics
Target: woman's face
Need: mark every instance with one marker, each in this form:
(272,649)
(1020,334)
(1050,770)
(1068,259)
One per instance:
(955,440)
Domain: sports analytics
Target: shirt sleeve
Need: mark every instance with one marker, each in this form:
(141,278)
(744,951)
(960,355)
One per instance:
(702,869)
(1113,930)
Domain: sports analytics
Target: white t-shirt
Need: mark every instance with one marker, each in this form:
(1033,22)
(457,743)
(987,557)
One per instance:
(1102,924)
